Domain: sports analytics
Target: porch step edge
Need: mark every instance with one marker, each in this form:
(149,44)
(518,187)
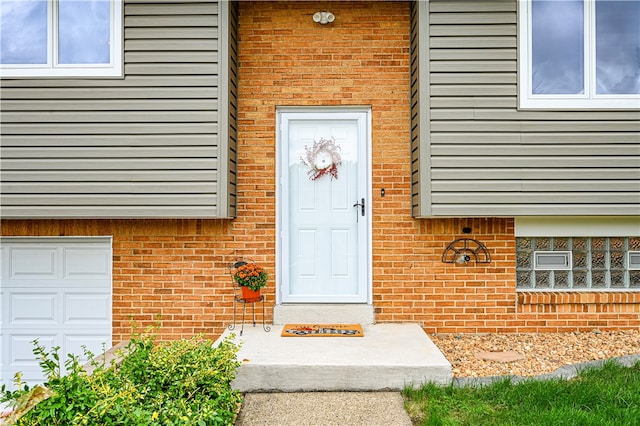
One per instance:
(323,314)
(338,378)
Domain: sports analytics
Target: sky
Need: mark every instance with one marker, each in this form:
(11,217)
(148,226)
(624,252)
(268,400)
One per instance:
(558,58)
(618,47)
(83,36)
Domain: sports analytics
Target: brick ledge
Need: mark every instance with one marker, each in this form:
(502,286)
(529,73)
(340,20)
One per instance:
(573,297)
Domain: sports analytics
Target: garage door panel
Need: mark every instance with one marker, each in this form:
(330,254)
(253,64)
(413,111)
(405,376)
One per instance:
(29,263)
(85,308)
(34,308)
(20,348)
(20,358)
(86,263)
(73,344)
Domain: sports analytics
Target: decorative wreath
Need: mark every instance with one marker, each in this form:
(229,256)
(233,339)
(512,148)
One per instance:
(323,159)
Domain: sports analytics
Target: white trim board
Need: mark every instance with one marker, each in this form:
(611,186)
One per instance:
(578,226)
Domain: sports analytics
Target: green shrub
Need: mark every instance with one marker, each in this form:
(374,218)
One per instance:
(183,382)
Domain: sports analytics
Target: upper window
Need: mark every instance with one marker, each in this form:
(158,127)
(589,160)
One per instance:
(579,54)
(61,38)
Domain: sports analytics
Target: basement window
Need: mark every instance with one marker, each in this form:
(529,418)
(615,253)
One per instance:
(578,263)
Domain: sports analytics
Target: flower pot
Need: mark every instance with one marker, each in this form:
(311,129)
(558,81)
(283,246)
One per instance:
(249,295)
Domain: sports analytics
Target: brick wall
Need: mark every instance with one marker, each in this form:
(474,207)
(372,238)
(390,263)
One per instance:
(558,311)
(175,269)
(474,297)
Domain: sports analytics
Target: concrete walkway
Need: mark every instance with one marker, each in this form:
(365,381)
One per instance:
(324,409)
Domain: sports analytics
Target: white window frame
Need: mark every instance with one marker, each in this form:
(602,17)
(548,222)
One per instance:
(53,69)
(555,267)
(633,266)
(588,100)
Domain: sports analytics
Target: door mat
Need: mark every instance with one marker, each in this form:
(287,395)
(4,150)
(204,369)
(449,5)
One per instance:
(322,330)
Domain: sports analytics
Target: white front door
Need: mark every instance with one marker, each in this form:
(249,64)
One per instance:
(323,205)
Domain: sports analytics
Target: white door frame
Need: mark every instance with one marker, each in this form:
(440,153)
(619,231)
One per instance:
(363,115)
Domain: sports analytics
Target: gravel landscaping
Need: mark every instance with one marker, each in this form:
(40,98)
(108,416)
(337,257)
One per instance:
(543,353)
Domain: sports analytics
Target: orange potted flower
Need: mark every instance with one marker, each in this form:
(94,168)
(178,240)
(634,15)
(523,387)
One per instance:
(251,278)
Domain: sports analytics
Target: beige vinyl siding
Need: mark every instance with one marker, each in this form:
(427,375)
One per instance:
(420,112)
(157,143)
(479,155)
(232,108)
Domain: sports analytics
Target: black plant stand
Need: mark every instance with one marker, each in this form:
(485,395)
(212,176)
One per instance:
(239,300)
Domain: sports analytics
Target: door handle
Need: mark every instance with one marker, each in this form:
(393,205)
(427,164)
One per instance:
(361,204)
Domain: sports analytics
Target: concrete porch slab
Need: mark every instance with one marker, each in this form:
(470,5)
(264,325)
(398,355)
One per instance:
(388,357)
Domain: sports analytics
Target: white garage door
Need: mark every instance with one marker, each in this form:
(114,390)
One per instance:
(55,290)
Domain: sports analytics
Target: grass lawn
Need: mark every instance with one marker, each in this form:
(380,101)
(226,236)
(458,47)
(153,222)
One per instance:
(606,396)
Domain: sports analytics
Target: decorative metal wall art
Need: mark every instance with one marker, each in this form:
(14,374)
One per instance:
(464,250)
